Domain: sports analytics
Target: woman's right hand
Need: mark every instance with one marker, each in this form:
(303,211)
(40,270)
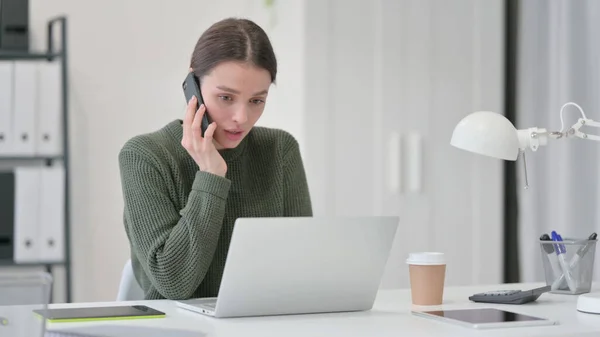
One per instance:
(201,149)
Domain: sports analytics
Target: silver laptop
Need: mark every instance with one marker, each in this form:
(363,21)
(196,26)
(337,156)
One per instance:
(278,266)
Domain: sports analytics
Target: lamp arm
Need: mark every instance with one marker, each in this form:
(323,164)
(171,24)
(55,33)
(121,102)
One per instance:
(574,130)
(533,138)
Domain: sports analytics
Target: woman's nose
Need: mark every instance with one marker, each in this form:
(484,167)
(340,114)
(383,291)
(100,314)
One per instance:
(240,116)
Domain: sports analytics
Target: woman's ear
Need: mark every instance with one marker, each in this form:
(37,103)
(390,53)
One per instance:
(191,69)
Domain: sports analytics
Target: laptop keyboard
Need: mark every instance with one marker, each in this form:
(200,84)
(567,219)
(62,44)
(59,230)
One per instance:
(211,303)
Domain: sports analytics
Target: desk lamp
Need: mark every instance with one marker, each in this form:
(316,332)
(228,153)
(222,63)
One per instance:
(491,134)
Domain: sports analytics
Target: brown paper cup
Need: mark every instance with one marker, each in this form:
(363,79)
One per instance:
(427,275)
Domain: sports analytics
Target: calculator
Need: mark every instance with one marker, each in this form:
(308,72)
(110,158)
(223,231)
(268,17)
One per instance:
(510,296)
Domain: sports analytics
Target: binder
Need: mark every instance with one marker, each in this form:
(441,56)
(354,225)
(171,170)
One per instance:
(26,245)
(24,106)
(52,213)
(6,104)
(7,214)
(49,107)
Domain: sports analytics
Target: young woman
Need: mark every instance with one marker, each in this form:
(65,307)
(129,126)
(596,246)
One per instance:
(183,190)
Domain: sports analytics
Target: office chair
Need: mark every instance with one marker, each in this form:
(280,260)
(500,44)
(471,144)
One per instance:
(129,289)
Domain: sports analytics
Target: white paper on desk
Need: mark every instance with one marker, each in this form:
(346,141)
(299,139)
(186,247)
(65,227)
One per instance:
(122,331)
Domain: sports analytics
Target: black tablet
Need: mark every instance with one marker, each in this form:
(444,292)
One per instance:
(485,318)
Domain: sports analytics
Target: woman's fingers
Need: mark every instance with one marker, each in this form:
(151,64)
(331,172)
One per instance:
(197,125)
(210,131)
(187,122)
(190,112)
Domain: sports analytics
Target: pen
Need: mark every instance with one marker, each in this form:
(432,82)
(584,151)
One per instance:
(583,250)
(549,249)
(560,252)
(575,260)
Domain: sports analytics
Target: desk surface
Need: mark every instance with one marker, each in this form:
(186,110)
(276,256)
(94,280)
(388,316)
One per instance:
(390,316)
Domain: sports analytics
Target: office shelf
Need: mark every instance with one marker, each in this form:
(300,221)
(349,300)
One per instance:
(32,158)
(7,55)
(11,263)
(56,28)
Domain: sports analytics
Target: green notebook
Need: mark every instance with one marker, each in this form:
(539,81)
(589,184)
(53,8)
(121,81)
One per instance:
(99,313)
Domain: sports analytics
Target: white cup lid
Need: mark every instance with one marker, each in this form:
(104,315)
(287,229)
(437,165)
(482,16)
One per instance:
(426,258)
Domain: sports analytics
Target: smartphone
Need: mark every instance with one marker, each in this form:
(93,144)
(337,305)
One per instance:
(99,313)
(191,88)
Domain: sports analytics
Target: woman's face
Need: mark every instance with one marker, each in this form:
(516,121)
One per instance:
(235,95)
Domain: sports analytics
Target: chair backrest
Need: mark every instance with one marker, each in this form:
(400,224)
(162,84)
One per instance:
(129,288)
(20,295)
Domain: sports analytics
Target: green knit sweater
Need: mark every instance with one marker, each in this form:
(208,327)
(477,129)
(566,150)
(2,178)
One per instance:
(179,220)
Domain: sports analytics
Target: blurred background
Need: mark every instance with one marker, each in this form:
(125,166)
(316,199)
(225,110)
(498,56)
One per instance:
(372,90)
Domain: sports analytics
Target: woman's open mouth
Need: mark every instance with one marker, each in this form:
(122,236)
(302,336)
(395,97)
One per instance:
(234,135)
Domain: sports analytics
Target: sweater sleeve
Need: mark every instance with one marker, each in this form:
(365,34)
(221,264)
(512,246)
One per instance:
(297,200)
(174,246)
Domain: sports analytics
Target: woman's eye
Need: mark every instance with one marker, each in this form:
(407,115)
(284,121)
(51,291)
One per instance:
(225,98)
(257,101)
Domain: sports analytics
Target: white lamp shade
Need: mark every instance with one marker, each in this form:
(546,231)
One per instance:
(487,133)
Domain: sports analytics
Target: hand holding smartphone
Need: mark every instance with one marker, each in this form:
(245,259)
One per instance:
(191,88)
(198,131)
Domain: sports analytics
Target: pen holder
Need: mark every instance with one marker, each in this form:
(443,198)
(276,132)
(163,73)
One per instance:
(569,265)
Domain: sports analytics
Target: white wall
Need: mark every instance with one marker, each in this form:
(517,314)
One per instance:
(382,73)
(343,89)
(125,75)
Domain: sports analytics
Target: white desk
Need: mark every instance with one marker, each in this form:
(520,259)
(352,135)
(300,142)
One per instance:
(390,317)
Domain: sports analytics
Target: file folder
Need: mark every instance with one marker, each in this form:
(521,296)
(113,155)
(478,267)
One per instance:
(24,108)
(26,246)
(7,214)
(6,104)
(52,198)
(49,134)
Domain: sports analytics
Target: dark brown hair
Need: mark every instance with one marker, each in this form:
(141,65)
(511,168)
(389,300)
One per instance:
(233,39)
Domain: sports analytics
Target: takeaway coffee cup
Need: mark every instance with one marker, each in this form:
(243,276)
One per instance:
(427,272)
